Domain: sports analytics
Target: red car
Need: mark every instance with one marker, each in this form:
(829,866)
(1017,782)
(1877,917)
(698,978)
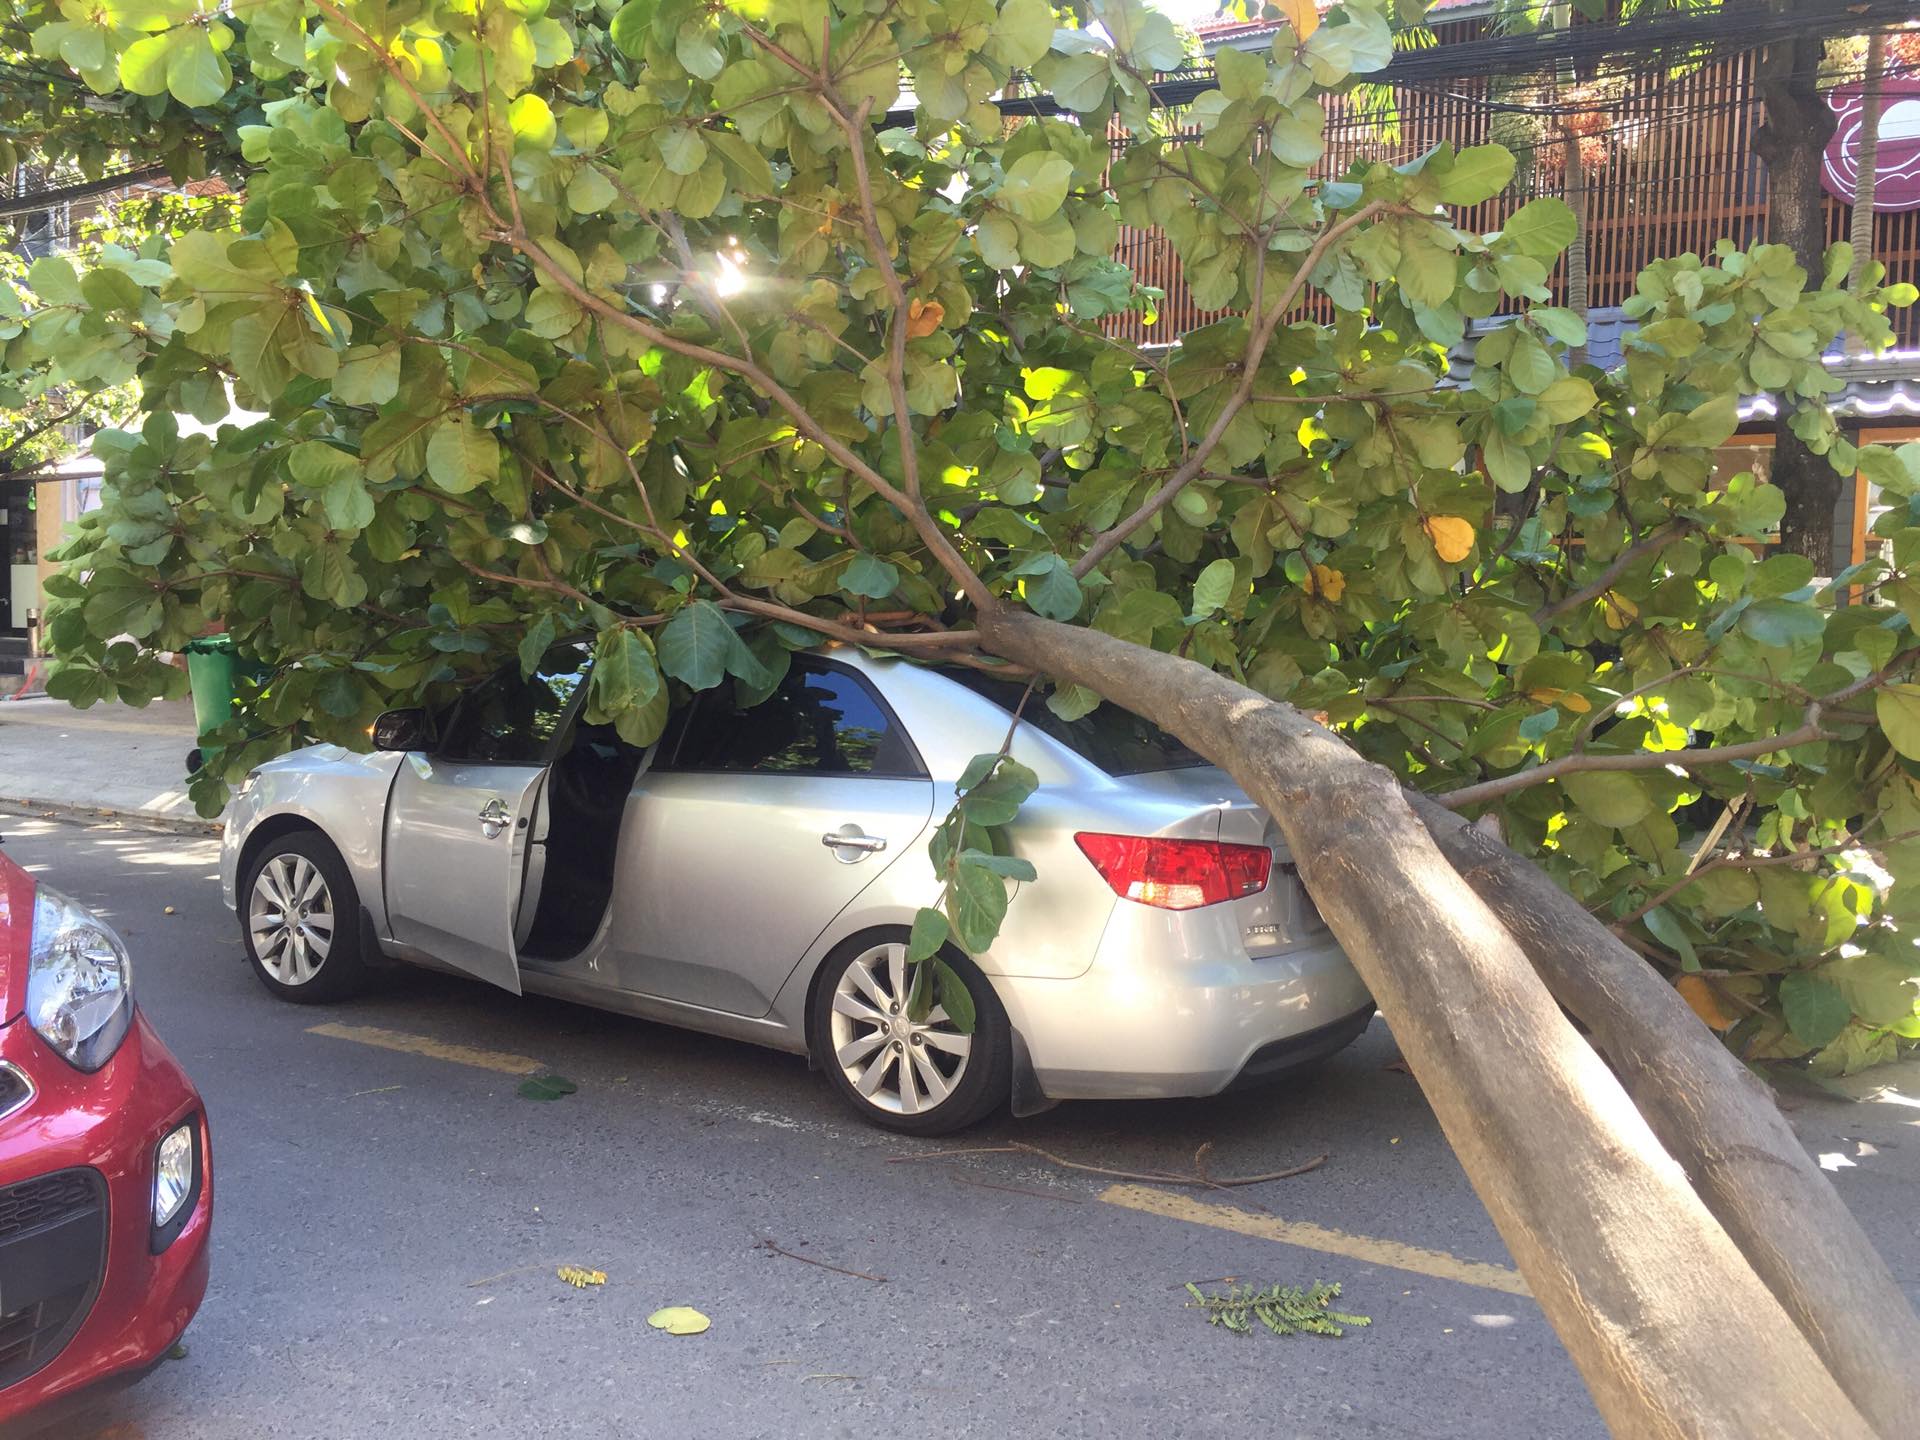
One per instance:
(106,1198)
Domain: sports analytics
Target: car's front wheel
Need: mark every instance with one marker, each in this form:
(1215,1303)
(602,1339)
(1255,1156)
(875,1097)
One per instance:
(300,920)
(919,1077)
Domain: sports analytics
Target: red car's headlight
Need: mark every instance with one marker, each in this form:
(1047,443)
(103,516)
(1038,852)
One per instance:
(79,981)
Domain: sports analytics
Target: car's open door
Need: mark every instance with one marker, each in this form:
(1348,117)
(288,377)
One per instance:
(460,819)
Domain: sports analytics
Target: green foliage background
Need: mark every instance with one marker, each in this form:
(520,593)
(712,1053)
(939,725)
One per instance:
(636,319)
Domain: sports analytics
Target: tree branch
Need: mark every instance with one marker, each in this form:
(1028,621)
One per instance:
(1610,576)
(1109,540)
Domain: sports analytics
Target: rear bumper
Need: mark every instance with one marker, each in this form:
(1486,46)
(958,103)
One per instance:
(87,1240)
(1148,1022)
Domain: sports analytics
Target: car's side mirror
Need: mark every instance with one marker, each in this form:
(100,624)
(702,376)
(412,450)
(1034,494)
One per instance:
(403,730)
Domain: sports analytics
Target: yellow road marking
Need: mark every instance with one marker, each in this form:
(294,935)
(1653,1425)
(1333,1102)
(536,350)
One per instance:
(434,1049)
(1437,1263)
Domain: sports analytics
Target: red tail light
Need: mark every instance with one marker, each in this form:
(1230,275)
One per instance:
(1176,874)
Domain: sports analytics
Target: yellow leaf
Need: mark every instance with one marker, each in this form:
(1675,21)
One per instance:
(679,1320)
(318,313)
(580,1278)
(1703,1000)
(1326,582)
(1303,15)
(924,317)
(1571,700)
(1451,536)
(1618,610)
(833,213)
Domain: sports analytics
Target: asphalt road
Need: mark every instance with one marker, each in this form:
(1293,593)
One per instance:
(388,1223)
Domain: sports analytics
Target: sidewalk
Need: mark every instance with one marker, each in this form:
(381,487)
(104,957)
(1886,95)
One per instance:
(112,758)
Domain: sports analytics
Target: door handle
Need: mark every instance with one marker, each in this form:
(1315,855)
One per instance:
(839,840)
(493,818)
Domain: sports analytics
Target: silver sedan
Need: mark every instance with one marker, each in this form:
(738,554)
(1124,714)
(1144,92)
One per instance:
(753,874)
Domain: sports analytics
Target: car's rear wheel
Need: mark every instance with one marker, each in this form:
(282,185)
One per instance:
(919,1077)
(300,920)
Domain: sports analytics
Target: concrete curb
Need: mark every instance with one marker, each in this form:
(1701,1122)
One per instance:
(68,810)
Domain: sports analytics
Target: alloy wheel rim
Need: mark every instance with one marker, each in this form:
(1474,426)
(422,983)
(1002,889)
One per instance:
(290,918)
(893,1062)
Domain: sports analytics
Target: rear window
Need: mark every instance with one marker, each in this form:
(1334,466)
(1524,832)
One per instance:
(1116,740)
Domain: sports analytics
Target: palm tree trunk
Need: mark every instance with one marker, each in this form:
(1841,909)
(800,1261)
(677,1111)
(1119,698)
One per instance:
(1578,296)
(1867,160)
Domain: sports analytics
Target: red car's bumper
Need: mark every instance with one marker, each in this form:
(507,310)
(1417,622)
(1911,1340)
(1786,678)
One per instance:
(90,1292)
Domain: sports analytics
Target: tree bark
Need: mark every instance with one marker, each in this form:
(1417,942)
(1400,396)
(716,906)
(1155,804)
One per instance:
(1672,1330)
(1791,141)
(1718,1121)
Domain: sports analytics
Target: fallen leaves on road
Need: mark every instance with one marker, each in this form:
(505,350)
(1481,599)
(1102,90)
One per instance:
(1283,1309)
(679,1320)
(579,1277)
(546,1087)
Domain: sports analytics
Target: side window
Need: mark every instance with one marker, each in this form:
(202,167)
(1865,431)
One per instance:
(821,721)
(507,720)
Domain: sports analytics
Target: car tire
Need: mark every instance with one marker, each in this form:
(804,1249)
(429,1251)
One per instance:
(861,1038)
(294,954)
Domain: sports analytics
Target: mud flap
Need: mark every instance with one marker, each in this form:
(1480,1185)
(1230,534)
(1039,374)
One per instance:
(1028,1098)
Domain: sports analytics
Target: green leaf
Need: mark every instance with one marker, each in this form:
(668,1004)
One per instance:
(700,648)
(1816,1010)
(1672,934)
(930,932)
(1782,622)
(317,464)
(1022,32)
(132,610)
(368,375)
(1898,709)
(461,455)
(1036,185)
(546,1087)
(347,503)
(1613,797)
(870,576)
(997,799)
(624,674)
(536,642)
(1213,589)
(1478,174)
(197,74)
(955,998)
(1541,228)
(552,314)
(1050,587)
(681,149)
(632,24)
(589,192)
(1780,574)
(977,904)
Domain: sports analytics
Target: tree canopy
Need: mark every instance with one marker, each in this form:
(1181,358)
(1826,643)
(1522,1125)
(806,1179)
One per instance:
(645,321)
(714,330)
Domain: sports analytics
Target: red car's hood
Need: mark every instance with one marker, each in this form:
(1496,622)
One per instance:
(16,934)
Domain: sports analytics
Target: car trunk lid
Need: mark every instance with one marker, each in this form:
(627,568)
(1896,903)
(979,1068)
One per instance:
(1283,914)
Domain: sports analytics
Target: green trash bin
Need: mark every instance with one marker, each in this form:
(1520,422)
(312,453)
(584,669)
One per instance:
(213,667)
(210,667)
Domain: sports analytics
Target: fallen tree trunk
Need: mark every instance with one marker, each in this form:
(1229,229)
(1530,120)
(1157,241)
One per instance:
(1718,1121)
(1673,1332)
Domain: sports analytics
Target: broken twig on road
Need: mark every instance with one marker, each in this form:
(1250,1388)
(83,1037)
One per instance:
(774,1249)
(1197,1176)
